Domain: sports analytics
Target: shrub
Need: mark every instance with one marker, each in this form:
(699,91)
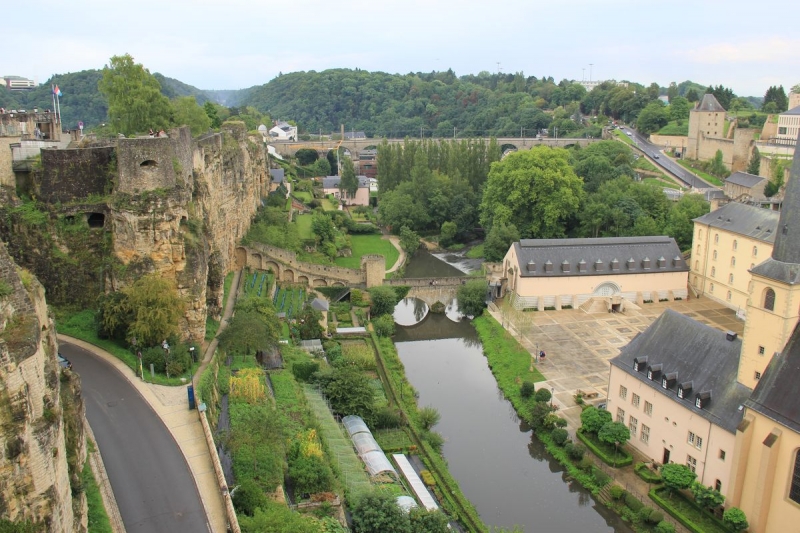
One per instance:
(428,417)
(527,389)
(601,477)
(585,463)
(388,418)
(735,519)
(248,497)
(427,478)
(633,502)
(559,436)
(384,326)
(543,395)
(577,452)
(664,527)
(617,492)
(592,419)
(154,356)
(302,370)
(644,513)
(561,422)
(434,439)
(656,517)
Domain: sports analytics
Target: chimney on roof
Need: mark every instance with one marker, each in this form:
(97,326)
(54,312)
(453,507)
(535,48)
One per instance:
(731,335)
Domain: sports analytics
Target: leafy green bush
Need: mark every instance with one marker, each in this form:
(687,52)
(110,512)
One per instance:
(388,418)
(527,389)
(644,471)
(577,452)
(633,502)
(664,527)
(428,417)
(303,370)
(248,497)
(560,436)
(384,326)
(735,519)
(543,395)
(601,477)
(607,453)
(617,492)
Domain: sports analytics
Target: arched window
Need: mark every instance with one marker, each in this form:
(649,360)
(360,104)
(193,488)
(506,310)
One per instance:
(735,244)
(697,265)
(730,278)
(698,249)
(729,296)
(769,300)
(713,271)
(733,261)
(794,490)
(755,251)
(715,255)
(716,238)
(712,288)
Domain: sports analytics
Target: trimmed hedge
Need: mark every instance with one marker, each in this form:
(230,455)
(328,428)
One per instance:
(711,524)
(590,443)
(647,474)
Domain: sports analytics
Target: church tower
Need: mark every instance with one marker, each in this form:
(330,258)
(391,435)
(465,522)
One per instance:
(773,306)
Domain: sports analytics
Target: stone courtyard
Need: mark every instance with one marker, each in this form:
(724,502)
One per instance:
(578,345)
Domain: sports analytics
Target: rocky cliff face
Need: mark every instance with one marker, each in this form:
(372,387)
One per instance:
(173,205)
(42,443)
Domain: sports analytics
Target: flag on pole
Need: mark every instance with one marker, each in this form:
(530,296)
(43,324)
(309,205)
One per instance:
(57,91)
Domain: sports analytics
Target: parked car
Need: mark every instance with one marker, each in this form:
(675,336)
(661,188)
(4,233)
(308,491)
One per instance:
(63,362)
(655,156)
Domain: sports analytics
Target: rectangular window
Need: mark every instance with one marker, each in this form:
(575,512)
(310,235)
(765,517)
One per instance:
(691,462)
(757,375)
(620,416)
(635,400)
(698,443)
(632,425)
(722,455)
(623,392)
(648,408)
(718,486)
(645,434)
(691,438)
(760,350)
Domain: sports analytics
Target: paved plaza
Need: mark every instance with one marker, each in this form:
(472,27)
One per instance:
(580,344)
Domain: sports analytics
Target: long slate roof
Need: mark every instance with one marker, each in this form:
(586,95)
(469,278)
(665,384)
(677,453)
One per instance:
(747,220)
(709,104)
(598,257)
(698,354)
(744,179)
(777,394)
(792,111)
(332,182)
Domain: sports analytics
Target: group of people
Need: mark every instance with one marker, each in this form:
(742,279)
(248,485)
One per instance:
(160,133)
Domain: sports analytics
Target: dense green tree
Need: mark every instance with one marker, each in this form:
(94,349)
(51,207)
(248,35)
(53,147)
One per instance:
(535,190)
(349,392)
(448,233)
(615,209)
(472,297)
(384,299)
(310,473)
(754,167)
(186,112)
(248,332)
(377,511)
(593,419)
(677,477)
(155,307)
(349,181)
(135,102)
(679,221)
(409,240)
(498,240)
(615,433)
(723,95)
(306,156)
(384,326)
(707,497)
(692,95)
(249,497)
(672,92)
(777,96)
(276,517)
(211,113)
(717,167)
(679,108)
(652,118)
(424,521)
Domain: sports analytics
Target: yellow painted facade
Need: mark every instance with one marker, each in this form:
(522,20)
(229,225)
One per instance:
(720,263)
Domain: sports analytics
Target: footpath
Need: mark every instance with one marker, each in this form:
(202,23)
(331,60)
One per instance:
(626,477)
(171,404)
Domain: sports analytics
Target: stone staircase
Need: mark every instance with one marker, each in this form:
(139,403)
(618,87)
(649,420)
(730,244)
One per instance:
(594,305)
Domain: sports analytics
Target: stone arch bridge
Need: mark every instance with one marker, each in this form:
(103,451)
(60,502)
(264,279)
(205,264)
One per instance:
(430,290)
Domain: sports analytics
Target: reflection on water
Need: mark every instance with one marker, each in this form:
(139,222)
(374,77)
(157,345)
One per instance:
(505,472)
(410,311)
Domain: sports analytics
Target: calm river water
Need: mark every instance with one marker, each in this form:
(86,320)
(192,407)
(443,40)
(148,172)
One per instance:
(500,467)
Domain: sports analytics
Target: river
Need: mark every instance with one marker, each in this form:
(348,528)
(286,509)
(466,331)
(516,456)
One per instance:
(503,470)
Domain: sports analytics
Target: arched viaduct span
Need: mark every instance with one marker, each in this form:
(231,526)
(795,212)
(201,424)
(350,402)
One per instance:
(355,146)
(430,290)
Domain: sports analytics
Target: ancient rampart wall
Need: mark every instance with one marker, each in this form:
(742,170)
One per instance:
(72,174)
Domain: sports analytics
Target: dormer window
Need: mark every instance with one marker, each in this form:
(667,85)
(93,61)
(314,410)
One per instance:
(684,389)
(639,364)
(653,372)
(582,266)
(669,380)
(598,265)
(662,263)
(630,263)
(702,400)
(548,266)
(677,260)
(615,264)
(531,266)
(646,263)
(565,266)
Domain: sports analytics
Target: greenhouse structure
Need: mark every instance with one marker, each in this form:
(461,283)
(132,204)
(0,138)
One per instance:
(368,449)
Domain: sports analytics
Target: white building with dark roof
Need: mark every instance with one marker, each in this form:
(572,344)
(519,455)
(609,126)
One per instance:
(557,273)
(788,127)
(674,386)
(283,131)
(331,184)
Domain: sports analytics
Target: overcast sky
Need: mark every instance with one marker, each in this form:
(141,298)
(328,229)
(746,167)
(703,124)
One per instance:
(233,44)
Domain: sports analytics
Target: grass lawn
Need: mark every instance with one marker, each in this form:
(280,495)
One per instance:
(673,128)
(677,504)
(304,226)
(661,183)
(328,205)
(476,252)
(369,244)
(704,175)
(509,361)
(623,136)
(303,196)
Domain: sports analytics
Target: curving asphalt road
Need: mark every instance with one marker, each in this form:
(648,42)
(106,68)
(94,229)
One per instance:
(653,151)
(152,483)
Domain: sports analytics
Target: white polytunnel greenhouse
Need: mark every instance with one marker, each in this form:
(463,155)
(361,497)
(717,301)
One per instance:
(368,449)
